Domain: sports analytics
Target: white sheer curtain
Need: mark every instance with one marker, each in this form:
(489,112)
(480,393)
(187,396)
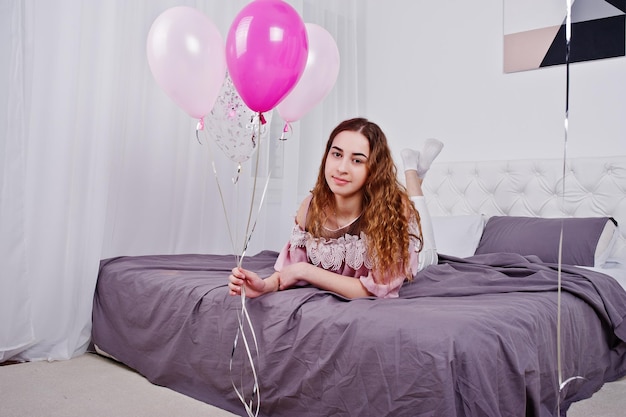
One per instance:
(16,322)
(96,161)
(341,19)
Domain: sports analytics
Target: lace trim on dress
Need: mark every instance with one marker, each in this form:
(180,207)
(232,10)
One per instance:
(331,254)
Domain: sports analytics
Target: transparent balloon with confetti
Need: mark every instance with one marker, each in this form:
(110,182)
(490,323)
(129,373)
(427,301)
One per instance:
(234,126)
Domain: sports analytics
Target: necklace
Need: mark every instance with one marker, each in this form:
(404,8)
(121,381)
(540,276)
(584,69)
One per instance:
(344,226)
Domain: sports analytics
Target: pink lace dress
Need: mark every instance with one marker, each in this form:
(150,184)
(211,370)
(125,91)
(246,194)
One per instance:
(345,254)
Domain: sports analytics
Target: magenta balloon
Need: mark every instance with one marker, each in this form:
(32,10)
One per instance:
(186,56)
(318,78)
(266,52)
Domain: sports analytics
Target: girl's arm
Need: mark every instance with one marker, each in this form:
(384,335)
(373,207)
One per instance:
(301,271)
(348,287)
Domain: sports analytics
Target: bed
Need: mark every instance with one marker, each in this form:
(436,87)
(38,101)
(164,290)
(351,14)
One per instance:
(475,335)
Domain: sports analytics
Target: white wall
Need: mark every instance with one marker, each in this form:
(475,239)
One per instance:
(434,69)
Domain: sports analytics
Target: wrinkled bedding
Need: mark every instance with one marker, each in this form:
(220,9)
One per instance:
(468,337)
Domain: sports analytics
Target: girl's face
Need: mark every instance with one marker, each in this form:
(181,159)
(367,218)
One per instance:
(346,163)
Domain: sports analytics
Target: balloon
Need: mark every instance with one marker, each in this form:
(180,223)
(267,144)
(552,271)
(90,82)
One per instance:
(186,56)
(318,78)
(266,52)
(234,125)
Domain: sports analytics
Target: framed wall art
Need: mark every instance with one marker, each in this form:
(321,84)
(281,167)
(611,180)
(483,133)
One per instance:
(534,32)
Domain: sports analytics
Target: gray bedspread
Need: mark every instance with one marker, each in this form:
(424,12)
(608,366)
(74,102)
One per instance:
(468,337)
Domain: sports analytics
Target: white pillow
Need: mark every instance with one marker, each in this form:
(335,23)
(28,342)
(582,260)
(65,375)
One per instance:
(617,253)
(606,243)
(458,235)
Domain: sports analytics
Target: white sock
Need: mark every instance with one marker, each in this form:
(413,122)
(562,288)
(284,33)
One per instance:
(432,147)
(410,159)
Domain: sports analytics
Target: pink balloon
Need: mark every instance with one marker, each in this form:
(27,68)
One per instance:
(318,78)
(186,56)
(266,52)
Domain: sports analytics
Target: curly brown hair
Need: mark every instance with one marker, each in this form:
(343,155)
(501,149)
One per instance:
(387,208)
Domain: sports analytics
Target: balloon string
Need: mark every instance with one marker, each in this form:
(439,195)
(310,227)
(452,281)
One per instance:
(568,35)
(256,170)
(199,127)
(243,317)
(219,188)
(286,131)
(250,408)
(250,227)
(245,247)
(560,254)
(236,178)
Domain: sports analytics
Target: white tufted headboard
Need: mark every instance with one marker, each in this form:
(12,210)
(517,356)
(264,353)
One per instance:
(593,187)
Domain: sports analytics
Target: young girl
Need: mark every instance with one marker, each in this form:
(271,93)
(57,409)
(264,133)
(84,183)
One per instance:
(360,232)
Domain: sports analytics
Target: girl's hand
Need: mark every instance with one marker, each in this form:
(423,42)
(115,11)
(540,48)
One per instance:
(292,274)
(254,285)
